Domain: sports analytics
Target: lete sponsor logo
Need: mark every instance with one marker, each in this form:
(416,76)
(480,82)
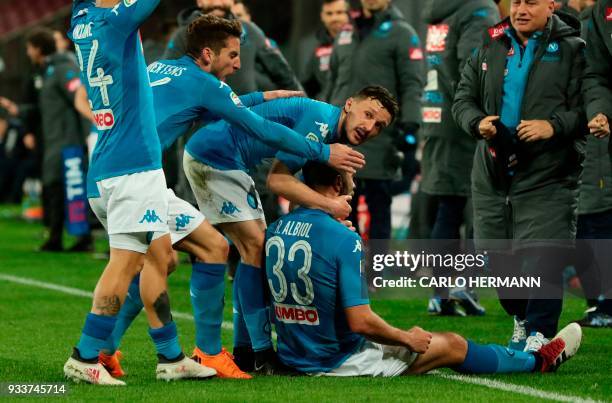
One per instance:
(432,115)
(609,14)
(104,118)
(303,315)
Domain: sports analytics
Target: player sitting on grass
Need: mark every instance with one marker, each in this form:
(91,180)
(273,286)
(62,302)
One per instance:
(323,318)
(217,161)
(188,91)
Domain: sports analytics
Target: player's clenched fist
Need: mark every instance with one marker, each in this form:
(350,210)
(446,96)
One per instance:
(418,340)
(486,128)
(600,126)
(344,158)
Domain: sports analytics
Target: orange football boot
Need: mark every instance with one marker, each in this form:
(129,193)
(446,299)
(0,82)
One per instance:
(112,364)
(222,362)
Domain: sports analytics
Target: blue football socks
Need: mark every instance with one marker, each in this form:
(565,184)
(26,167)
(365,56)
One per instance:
(166,341)
(495,359)
(241,333)
(207,290)
(250,289)
(95,332)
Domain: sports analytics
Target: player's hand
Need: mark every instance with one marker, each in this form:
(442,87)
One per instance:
(533,130)
(486,128)
(348,224)
(339,207)
(10,106)
(29,141)
(270,95)
(418,340)
(344,158)
(600,126)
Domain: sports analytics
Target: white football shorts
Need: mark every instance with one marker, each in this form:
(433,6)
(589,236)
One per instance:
(374,359)
(133,209)
(223,196)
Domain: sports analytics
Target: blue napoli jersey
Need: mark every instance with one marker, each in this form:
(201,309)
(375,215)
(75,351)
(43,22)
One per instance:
(109,52)
(227,147)
(185,94)
(314,271)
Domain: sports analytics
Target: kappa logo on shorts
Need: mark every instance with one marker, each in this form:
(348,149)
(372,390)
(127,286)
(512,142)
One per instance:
(150,217)
(182,221)
(252,198)
(228,208)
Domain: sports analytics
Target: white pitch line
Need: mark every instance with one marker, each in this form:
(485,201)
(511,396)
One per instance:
(488,383)
(510,387)
(86,294)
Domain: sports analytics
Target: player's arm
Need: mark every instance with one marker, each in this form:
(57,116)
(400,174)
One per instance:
(256,98)
(128,15)
(597,84)
(409,66)
(81,103)
(361,319)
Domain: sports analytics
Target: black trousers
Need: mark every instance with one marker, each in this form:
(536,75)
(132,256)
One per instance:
(593,269)
(378,198)
(54,211)
(540,307)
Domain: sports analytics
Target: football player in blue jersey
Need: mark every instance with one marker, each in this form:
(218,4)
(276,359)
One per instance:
(130,189)
(217,161)
(323,319)
(189,91)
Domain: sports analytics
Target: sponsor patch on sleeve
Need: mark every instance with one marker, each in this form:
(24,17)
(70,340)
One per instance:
(432,115)
(236,100)
(436,38)
(498,30)
(73,84)
(415,54)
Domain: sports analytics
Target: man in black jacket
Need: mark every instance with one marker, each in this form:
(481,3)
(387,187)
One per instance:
(379,48)
(454,31)
(520,96)
(317,48)
(254,48)
(598,96)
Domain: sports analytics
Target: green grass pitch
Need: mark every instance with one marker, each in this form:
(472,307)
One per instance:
(40,326)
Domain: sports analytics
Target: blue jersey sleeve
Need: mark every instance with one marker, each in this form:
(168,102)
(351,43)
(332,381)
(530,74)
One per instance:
(351,283)
(128,15)
(221,101)
(252,99)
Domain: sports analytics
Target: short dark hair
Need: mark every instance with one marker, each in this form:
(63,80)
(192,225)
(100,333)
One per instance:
(210,31)
(42,38)
(333,1)
(319,174)
(382,95)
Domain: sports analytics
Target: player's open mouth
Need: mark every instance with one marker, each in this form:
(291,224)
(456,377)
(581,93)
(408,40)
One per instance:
(360,135)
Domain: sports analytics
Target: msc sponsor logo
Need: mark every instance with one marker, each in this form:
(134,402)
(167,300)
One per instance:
(302,315)
(104,118)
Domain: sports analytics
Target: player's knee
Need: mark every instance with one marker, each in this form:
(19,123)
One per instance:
(173,262)
(455,345)
(219,248)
